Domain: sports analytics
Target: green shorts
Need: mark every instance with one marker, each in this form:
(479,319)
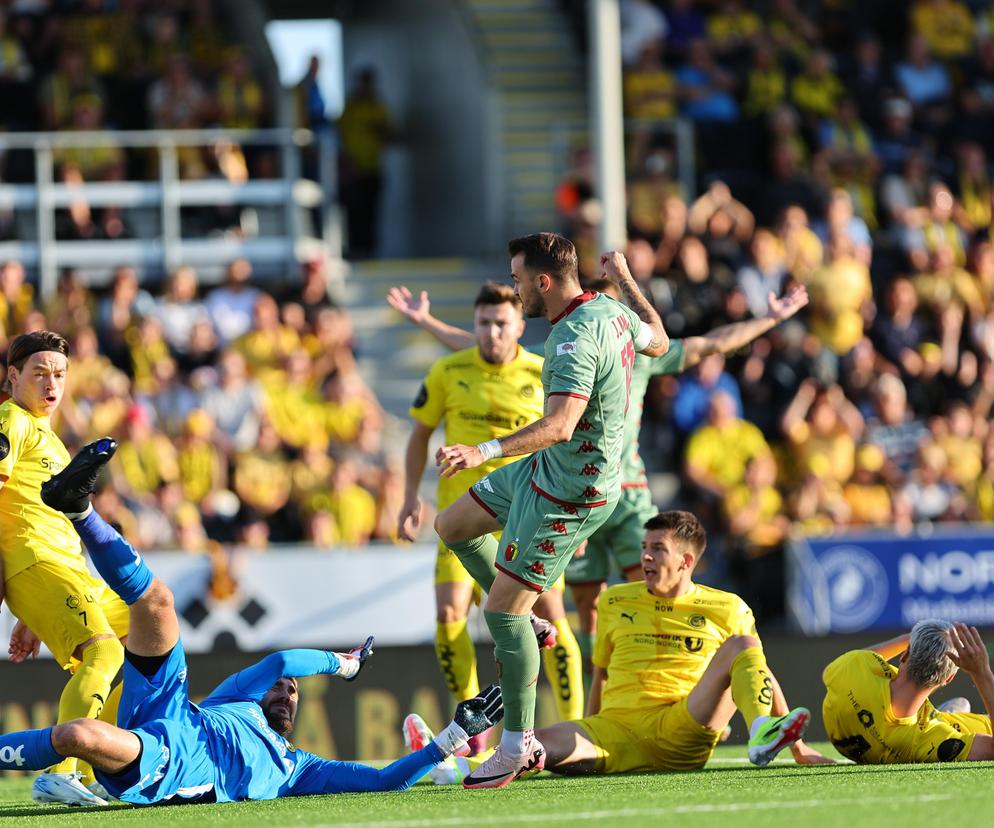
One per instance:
(620,538)
(540,535)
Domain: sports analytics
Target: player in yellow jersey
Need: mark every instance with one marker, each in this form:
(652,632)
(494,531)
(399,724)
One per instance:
(672,663)
(45,581)
(483,392)
(876,713)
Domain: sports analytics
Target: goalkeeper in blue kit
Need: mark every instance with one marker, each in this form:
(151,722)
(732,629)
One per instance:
(233,745)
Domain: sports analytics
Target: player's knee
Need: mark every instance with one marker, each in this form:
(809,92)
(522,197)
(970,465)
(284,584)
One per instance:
(739,643)
(101,650)
(449,614)
(72,738)
(158,598)
(444,527)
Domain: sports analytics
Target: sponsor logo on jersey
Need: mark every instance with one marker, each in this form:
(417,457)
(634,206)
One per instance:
(696,621)
(528,391)
(565,348)
(693,644)
(586,447)
(558,526)
(422,396)
(73,602)
(589,470)
(584,425)
(630,616)
(9,754)
(485,484)
(4,446)
(548,547)
(538,568)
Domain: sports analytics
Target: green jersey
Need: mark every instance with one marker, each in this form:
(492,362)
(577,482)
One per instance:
(646,367)
(590,354)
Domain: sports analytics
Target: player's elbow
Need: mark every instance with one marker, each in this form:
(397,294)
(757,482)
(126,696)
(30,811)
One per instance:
(659,345)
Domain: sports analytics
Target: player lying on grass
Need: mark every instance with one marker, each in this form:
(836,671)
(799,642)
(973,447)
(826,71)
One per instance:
(878,714)
(672,662)
(233,745)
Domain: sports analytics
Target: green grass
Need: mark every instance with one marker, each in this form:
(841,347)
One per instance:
(728,793)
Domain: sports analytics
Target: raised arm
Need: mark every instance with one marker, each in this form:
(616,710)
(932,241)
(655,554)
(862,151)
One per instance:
(254,682)
(972,658)
(892,647)
(729,338)
(616,269)
(418,311)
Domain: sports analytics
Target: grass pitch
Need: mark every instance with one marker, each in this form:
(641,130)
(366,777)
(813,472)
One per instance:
(730,792)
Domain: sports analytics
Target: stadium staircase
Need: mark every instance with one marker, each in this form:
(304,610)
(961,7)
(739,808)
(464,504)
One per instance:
(393,354)
(538,72)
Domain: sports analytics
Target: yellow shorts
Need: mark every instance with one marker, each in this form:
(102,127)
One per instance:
(65,607)
(660,738)
(449,569)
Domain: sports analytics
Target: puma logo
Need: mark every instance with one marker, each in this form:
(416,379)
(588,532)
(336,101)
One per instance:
(463,384)
(631,617)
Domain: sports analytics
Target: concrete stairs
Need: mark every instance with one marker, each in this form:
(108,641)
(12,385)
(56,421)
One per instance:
(540,78)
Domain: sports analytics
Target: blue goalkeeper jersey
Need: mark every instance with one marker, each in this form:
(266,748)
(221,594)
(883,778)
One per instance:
(224,750)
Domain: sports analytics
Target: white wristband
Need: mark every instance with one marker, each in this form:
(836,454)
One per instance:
(491,449)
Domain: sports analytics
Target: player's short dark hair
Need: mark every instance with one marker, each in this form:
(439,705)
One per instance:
(495,293)
(682,525)
(25,345)
(547,253)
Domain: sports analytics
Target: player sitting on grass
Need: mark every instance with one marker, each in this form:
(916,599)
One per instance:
(672,662)
(233,745)
(878,714)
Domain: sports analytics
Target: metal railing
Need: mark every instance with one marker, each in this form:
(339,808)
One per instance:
(288,193)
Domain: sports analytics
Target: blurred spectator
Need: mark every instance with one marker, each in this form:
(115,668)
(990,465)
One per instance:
(235,403)
(766,83)
(897,330)
(763,274)
(364,128)
(117,313)
(945,25)
(179,310)
(816,91)
(16,299)
(69,81)
(268,342)
(894,426)
(642,25)
(202,466)
(146,458)
(719,452)
(705,88)
(841,298)
(733,28)
(230,306)
(261,475)
(241,102)
(696,389)
(925,83)
(351,506)
(822,427)
(866,494)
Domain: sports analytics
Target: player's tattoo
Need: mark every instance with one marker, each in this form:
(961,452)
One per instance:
(646,312)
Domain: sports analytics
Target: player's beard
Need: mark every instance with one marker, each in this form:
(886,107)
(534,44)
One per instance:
(535,307)
(278,722)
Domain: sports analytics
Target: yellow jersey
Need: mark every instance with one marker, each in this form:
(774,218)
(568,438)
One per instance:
(30,453)
(479,402)
(654,649)
(862,726)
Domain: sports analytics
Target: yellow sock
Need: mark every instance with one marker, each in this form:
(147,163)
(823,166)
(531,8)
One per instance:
(109,715)
(457,659)
(564,669)
(752,688)
(86,693)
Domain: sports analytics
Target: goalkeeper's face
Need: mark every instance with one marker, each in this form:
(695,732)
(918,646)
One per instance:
(41,382)
(279,705)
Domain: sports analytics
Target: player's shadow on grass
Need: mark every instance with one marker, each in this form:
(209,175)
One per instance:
(47,813)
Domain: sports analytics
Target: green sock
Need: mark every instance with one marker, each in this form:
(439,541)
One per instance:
(478,556)
(518,663)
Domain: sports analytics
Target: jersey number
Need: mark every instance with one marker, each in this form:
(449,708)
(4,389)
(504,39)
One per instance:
(852,748)
(628,361)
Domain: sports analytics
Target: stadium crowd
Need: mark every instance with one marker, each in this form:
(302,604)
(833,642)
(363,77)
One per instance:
(847,149)
(242,416)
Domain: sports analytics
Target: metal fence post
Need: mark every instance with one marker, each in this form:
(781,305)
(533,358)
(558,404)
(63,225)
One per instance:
(45,216)
(172,240)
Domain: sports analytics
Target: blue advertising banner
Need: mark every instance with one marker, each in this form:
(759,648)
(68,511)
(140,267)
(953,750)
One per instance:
(848,583)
